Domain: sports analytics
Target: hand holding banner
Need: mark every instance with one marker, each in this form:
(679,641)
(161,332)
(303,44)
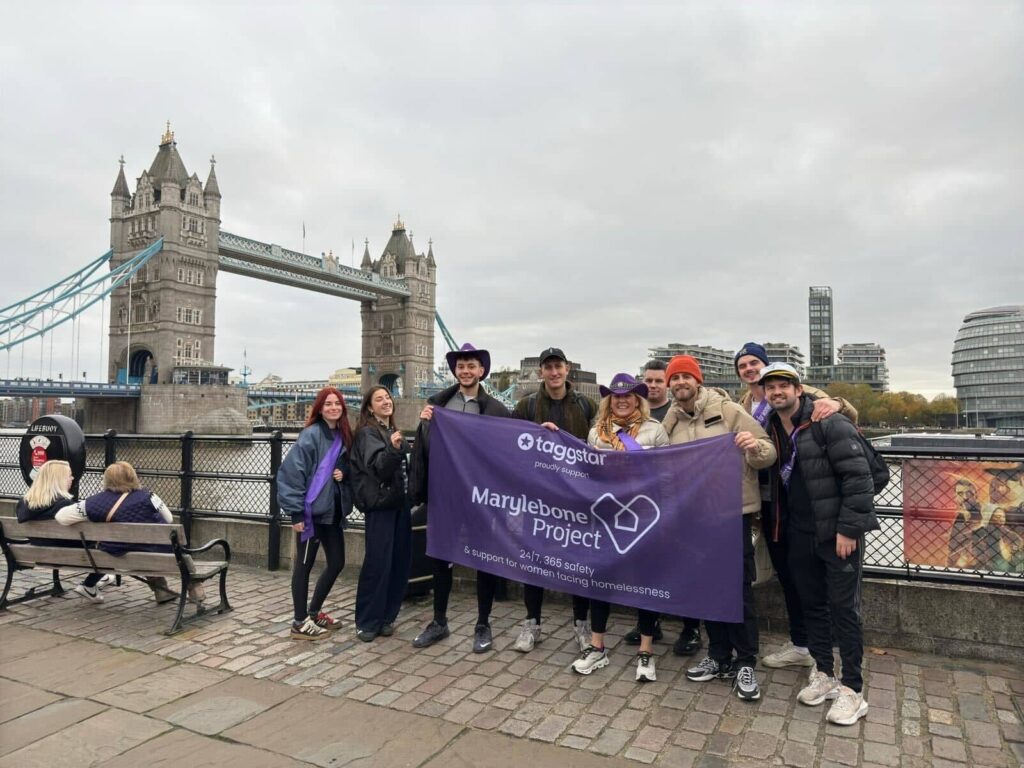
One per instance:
(657,529)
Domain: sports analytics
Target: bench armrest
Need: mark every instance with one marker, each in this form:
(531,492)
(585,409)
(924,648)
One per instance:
(208,545)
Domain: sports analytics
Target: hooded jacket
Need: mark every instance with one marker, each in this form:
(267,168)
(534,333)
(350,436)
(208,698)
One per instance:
(715,414)
(837,476)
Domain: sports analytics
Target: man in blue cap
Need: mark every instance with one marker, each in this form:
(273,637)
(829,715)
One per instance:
(470,366)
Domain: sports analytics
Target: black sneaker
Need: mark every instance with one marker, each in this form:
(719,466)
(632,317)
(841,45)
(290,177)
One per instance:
(633,636)
(430,635)
(366,635)
(688,643)
(481,638)
(387,630)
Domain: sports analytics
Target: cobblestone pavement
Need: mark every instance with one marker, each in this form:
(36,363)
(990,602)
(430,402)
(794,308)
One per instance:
(924,710)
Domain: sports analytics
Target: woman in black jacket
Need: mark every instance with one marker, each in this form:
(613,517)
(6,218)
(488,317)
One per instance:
(380,485)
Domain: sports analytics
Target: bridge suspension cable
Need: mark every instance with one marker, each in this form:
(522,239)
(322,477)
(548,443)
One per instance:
(67,299)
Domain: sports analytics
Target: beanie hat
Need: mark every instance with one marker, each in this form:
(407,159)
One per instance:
(684,364)
(750,348)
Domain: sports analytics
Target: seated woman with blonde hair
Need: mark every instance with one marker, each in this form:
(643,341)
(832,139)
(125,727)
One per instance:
(124,500)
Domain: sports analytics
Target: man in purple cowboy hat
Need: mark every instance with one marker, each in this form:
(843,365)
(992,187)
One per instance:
(470,366)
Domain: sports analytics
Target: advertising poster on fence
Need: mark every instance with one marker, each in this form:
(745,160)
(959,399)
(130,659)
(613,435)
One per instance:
(657,529)
(964,514)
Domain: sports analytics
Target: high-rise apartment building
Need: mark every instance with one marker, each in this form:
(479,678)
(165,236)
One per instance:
(779,352)
(820,319)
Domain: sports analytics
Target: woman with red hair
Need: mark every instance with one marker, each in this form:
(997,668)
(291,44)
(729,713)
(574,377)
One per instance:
(313,487)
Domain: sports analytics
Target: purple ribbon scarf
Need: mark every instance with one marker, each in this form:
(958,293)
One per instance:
(786,472)
(321,477)
(629,442)
(762,413)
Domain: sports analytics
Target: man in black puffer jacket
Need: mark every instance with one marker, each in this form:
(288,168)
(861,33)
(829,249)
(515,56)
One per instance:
(823,502)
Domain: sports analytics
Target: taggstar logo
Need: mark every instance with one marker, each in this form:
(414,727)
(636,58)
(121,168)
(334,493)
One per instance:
(626,524)
(525,442)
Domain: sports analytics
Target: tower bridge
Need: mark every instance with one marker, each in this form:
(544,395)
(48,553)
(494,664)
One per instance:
(166,251)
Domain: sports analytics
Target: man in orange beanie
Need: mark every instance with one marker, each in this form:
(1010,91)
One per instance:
(698,412)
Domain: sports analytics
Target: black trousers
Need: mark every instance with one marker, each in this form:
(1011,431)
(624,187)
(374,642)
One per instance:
(778,551)
(533,597)
(329,536)
(741,638)
(384,576)
(486,586)
(830,593)
(600,610)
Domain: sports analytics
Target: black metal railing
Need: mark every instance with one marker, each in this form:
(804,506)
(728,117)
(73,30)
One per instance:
(235,477)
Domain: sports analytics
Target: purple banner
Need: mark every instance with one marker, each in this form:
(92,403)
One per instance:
(657,529)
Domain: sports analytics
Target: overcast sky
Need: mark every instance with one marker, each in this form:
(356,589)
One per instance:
(604,177)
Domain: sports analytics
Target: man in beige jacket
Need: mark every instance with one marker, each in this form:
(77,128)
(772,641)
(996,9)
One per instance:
(698,412)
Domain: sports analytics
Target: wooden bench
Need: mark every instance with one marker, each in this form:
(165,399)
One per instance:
(78,550)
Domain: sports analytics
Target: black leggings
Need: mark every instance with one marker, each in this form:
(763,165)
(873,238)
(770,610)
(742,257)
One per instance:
(600,610)
(486,585)
(302,564)
(534,599)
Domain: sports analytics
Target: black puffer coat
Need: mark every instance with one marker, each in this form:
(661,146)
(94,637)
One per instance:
(837,476)
(377,477)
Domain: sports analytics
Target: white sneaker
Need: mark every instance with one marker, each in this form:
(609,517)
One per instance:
(789,656)
(589,660)
(848,708)
(92,594)
(819,687)
(308,630)
(645,671)
(108,580)
(581,630)
(529,636)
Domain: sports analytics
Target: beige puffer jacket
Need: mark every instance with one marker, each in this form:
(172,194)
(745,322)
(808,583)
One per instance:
(651,435)
(715,414)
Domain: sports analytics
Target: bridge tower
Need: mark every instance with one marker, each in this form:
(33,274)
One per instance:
(398,333)
(171,302)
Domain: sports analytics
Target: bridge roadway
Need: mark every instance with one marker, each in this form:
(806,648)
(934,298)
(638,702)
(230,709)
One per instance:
(101,685)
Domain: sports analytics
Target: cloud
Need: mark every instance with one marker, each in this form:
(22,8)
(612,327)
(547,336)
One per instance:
(607,177)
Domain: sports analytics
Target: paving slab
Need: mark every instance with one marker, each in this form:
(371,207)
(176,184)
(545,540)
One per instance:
(17,698)
(336,732)
(161,687)
(184,748)
(81,669)
(87,743)
(16,641)
(44,721)
(225,704)
(474,749)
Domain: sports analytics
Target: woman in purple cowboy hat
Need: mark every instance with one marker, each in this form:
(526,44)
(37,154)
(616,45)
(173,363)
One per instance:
(623,423)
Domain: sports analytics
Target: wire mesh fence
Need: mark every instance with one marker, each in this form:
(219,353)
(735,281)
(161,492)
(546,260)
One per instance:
(943,516)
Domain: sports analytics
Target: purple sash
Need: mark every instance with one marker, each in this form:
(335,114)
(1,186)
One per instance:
(321,477)
(629,442)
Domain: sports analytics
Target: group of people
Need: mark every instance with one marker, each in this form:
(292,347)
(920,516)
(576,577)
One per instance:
(121,500)
(810,492)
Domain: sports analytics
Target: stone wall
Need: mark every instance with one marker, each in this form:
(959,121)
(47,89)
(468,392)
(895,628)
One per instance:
(103,413)
(203,409)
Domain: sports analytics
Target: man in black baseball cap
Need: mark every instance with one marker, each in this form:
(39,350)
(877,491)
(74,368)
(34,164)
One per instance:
(556,405)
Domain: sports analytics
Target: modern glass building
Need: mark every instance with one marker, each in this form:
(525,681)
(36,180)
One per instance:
(988,368)
(819,311)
